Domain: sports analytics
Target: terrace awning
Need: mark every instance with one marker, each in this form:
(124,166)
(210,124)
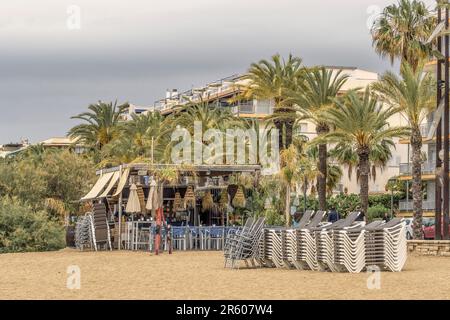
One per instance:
(111,184)
(122,182)
(98,186)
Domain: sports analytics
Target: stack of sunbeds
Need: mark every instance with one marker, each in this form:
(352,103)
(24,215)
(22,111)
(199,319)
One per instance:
(385,245)
(291,244)
(273,247)
(307,253)
(100,228)
(324,241)
(347,245)
(243,244)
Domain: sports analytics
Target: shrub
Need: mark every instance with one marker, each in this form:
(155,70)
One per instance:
(274,218)
(376,212)
(22,229)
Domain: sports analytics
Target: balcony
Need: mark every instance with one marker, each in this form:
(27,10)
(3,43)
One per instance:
(408,206)
(425,128)
(427,168)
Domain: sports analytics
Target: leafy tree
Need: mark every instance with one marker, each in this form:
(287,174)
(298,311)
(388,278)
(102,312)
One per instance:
(23,229)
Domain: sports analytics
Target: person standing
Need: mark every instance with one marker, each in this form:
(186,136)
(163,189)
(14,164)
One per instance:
(333,215)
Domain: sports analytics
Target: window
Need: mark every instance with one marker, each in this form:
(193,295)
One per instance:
(303,127)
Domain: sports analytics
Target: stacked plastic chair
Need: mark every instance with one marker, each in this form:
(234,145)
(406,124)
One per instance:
(100,228)
(83,232)
(273,247)
(290,239)
(324,241)
(349,248)
(307,253)
(385,245)
(243,245)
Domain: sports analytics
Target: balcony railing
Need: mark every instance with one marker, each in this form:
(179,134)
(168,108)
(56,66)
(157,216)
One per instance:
(427,168)
(408,205)
(424,129)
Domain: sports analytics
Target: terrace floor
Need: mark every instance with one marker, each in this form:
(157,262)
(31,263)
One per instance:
(200,275)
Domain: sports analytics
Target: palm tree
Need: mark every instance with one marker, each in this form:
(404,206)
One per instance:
(362,123)
(145,136)
(321,88)
(208,115)
(414,94)
(295,168)
(348,157)
(402,31)
(272,80)
(101,125)
(334,171)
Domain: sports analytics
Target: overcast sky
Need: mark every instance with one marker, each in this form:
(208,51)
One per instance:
(134,50)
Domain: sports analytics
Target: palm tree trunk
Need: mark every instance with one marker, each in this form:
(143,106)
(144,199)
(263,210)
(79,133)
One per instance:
(289,132)
(364,169)
(288,205)
(416,146)
(279,125)
(322,178)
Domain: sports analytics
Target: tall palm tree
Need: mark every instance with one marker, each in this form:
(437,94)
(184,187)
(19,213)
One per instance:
(272,80)
(414,93)
(362,123)
(321,88)
(402,31)
(101,124)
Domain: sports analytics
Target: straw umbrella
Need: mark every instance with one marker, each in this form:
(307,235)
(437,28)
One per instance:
(133,203)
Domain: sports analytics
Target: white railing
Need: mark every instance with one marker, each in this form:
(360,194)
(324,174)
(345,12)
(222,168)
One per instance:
(427,168)
(408,205)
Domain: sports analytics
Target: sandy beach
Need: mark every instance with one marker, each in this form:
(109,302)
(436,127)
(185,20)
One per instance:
(200,275)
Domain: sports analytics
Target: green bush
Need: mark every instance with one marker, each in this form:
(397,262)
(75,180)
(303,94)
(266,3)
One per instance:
(274,218)
(22,229)
(376,212)
(385,200)
(344,204)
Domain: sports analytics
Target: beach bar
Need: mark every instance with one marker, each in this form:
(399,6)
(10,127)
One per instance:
(153,207)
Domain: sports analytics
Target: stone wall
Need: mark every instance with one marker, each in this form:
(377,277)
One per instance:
(430,247)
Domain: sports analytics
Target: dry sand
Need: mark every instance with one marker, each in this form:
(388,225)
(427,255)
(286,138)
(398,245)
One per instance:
(200,275)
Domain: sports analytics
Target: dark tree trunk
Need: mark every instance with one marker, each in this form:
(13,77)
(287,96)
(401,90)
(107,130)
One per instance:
(322,178)
(364,171)
(416,145)
(279,125)
(289,124)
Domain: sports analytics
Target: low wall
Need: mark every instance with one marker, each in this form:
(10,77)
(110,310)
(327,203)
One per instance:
(429,247)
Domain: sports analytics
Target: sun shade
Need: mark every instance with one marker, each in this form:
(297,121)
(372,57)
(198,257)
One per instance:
(133,204)
(122,182)
(111,184)
(98,187)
